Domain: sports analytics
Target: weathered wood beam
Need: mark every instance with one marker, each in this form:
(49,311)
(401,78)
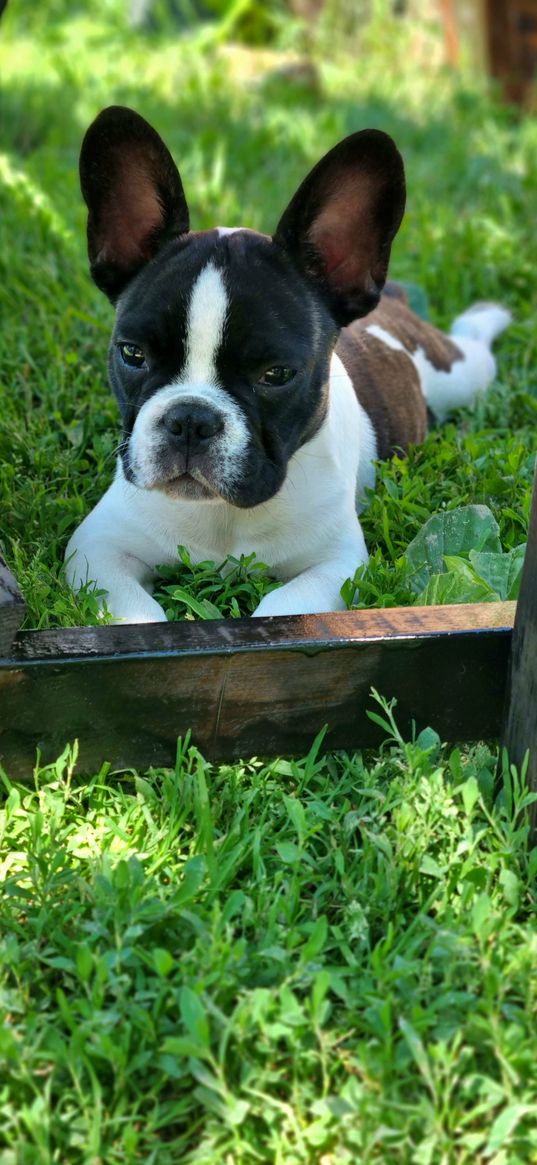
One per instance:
(11,608)
(520,730)
(251,687)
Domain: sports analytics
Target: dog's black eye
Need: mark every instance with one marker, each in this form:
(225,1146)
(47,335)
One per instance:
(131,355)
(276,377)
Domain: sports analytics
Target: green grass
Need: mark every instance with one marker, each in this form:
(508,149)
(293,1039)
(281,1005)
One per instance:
(301,961)
(311,962)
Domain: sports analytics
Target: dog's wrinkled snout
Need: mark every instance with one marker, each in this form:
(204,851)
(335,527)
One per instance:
(192,426)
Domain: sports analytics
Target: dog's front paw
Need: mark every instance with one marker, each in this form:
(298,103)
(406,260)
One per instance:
(300,597)
(143,609)
(272,605)
(132,604)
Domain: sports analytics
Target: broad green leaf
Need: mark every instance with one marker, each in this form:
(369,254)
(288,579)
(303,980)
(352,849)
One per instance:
(417,1051)
(428,739)
(236,1110)
(451,532)
(9,1047)
(234,905)
(200,607)
(458,565)
(122,875)
(455,586)
(65,1009)
(182,1047)
(321,985)
(194,871)
(316,940)
(511,887)
(163,962)
(470,794)
(291,1012)
(84,961)
(296,814)
(482,917)
(505,1124)
(193,1016)
(502,572)
(289,852)
(206,1077)
(430,867)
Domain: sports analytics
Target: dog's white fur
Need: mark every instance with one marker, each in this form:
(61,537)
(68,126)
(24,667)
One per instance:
(309,533)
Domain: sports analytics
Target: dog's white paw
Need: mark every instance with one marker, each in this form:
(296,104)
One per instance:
(144,610)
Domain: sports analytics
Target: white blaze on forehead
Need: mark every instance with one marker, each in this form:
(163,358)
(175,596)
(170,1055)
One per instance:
(223,231)
(205,326)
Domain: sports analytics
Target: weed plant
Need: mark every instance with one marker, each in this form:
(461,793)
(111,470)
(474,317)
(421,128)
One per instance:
(210,590)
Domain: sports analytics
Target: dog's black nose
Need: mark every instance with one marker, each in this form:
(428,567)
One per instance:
(192,425)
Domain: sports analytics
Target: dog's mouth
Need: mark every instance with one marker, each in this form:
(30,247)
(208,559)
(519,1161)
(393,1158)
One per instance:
(192,487)
(184,481)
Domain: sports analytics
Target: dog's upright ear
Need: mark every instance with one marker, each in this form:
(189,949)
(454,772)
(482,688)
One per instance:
(134,196)
(340,225)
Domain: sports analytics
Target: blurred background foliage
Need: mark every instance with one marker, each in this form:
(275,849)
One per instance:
(250,21)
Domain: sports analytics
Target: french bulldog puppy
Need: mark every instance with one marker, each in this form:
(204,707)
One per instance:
(258,376)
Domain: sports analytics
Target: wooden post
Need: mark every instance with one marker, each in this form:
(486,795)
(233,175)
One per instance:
(520,726)
(11,608)
(495,36)
(511,30)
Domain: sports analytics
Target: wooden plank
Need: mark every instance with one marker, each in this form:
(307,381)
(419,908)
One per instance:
(520,730)
(11,608)
(251,687)
(234,635)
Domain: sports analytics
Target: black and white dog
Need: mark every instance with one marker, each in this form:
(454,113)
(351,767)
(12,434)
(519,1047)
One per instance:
(254,396)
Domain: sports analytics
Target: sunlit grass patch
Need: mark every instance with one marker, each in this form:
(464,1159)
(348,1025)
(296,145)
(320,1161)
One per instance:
(319,959)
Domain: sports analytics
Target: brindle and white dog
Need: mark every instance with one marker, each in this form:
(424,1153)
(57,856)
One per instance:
(258,376)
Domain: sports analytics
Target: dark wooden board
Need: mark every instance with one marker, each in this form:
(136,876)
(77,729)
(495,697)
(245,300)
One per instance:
(251,687)
(520,733)
(11,608)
